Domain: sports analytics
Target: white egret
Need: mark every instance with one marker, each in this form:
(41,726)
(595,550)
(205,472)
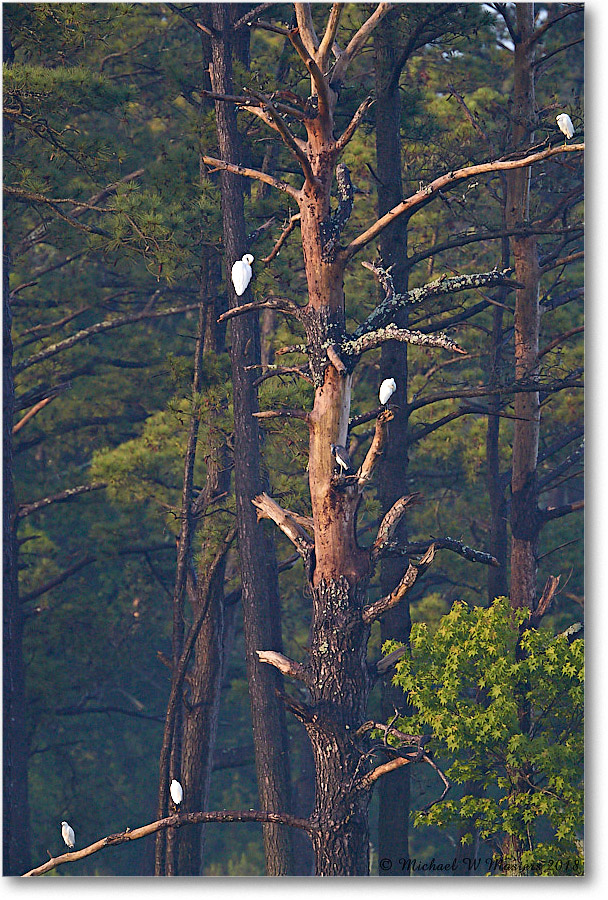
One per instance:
(176,791)
(241,274)
(342,457)
(67,833)
(565,125)
(387,389)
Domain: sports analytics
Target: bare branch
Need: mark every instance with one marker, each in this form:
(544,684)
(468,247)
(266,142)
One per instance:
(390,332)
(293,221)
(329,37)
(282,414)
(283,304)
(414,570)
(446,543)
(391,521)
(293,144)
(306,27)
(542,607)
(354,123)
(28,508)
(268,509)
(106,325)
(357,42)
(559,340)
(376,449)
(315,73)
(31,413)
(556,512)
(253,173)
(248,18)
(282,663)
(176,821)
(451,179)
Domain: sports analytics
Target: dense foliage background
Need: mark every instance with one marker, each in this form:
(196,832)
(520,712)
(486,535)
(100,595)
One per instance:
(100,95)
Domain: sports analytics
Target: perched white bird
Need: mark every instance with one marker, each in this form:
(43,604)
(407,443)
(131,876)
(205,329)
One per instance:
(387,389)
(176,791)
(565,125)
(67,833)
(342,457)
(241,274)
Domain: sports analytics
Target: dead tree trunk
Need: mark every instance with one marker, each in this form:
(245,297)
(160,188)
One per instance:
(336,673)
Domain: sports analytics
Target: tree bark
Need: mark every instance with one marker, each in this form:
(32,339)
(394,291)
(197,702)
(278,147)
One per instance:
(260,597)
(393,788)
(524,506)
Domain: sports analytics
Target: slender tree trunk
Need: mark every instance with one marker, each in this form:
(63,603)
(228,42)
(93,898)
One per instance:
(497,577)
(394,788)
(524,506)
(261,612)
(16,835)
(525,518)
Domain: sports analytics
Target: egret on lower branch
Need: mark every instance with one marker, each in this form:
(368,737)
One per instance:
(67,833)
(342,457)
(176,791)
(565,125)
(241,274)
(387,389)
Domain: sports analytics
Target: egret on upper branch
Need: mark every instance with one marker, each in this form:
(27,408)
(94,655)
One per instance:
(67,833)
(565,125)
(241,274)
(342,457)
(387,389)
(176,791)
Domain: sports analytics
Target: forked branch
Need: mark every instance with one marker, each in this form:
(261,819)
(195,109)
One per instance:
(414,570)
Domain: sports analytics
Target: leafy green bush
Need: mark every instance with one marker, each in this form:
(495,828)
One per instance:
(504,704)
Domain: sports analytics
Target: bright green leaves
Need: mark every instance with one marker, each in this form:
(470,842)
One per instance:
(507,712)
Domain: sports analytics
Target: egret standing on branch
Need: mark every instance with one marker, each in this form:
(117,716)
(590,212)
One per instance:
(241,274)
(387,389)
(67,833)
(565,125)
(176,791)
(342,458)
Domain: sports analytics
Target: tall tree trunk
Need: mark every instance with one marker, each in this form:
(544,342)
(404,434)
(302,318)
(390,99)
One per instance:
(497,576)
(261,611)
(525,517)
(16,835)
(207,598)
(524,505)
(394,788)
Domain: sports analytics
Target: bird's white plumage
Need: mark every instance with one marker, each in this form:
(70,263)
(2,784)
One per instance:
(241,274)
(67,833)
(176,791)
(565,125)
(387,389)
